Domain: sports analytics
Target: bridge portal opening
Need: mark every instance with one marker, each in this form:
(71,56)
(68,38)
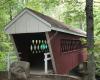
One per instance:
(32,47)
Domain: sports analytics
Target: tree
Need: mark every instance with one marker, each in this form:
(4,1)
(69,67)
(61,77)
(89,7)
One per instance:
(90,39)
(69,11)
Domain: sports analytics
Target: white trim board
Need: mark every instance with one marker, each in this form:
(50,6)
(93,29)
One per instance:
(29,21)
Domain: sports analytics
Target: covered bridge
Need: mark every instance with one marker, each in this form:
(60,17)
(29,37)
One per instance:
(40,39)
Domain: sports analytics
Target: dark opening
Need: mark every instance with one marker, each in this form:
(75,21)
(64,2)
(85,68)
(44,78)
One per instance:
(32,48)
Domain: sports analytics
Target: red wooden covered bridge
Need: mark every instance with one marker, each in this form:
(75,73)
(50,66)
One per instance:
(46,43)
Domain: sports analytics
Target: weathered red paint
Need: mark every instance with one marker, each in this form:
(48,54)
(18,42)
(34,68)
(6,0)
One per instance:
(64,61)
(68,60)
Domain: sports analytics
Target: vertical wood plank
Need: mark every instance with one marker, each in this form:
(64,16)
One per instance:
(17,53)
(51,53)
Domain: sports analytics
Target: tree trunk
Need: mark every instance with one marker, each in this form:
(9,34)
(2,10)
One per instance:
(10,11)
(90,39)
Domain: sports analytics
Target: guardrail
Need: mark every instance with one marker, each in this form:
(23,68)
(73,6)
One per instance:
(46,59)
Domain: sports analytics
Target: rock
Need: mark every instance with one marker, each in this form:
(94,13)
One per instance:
(20,70)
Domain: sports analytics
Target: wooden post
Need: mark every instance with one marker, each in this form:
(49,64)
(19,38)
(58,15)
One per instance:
(46,63)
(8,65)
(17,53)
(50,49)
(8,62)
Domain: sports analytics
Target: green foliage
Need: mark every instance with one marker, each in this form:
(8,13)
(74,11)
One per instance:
(97,56)
(3,62)
(70,12)
(83,41)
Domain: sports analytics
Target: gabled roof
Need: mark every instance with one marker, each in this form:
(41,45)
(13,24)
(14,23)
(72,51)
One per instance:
(53,24)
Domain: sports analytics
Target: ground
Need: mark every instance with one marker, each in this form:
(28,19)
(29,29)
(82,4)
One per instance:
(3,76)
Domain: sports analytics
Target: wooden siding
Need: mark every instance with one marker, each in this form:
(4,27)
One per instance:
(30,21)
(27,23)
(68,60)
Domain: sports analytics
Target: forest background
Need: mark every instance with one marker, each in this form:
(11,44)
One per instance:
(71,12)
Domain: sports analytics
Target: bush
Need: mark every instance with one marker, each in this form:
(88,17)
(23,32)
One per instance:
(4,60)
